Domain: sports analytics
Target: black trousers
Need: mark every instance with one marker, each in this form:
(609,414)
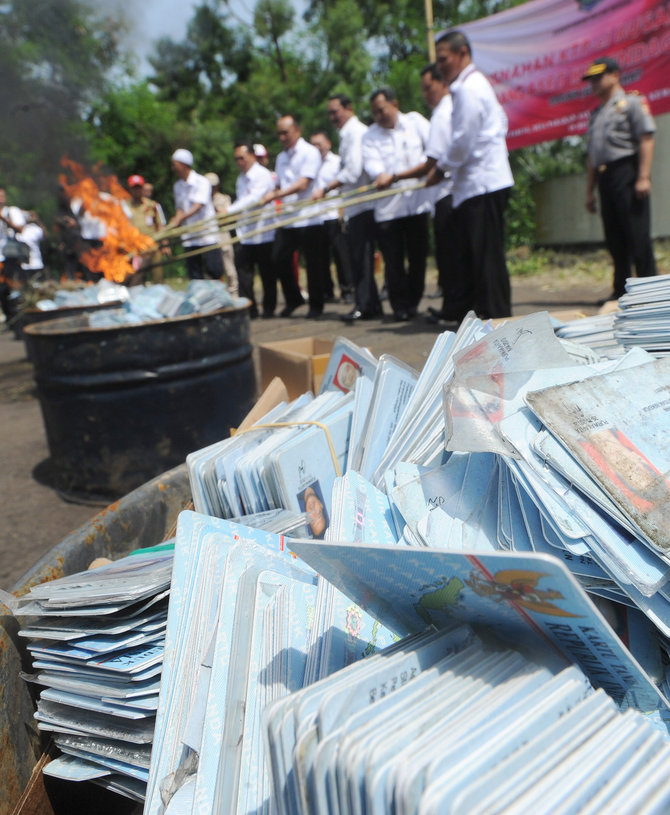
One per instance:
(206,264)
(360,233)
(309,240)
(337,243)
(398,239)
(443,232)
(248,258)
(480,280)
(626,221)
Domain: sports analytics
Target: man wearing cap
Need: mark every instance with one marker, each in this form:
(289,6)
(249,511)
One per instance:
(193,200)
(146,216)
(221,203)
(620,148)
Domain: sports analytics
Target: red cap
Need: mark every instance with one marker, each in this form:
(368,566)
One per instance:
(135,181)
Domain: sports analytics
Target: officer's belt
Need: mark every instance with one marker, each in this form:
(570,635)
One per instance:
(611,165)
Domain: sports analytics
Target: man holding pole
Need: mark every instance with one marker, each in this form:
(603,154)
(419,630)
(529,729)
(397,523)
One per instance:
(256,236)
(477,160)
(359,218)
(297,166)
(193,201)
(394,143)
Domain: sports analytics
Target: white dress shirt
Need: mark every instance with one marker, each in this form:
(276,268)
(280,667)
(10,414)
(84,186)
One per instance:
(477,157)
(330,167)
(352,174)
(196,189)
(250,187)
(391,150)
(300,161)
(32,235)
(439,139)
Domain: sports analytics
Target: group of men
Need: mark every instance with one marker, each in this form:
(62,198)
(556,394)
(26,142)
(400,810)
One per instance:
(390,178)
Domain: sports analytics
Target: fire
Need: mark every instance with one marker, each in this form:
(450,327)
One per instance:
(101,197)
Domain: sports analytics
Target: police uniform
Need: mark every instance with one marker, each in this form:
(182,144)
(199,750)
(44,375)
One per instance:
(613,143)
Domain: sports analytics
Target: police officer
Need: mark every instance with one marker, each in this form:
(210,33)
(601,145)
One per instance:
(620,147)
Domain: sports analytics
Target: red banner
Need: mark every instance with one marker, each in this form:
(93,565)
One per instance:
(535,56)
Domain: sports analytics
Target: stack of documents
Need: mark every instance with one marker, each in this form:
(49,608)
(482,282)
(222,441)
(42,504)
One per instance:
(96,640)
(441,724)
(644,310)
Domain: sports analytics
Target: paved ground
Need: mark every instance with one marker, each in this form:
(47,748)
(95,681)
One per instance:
(34,518)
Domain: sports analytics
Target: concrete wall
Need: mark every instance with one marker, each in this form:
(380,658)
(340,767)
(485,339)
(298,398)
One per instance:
(561,218)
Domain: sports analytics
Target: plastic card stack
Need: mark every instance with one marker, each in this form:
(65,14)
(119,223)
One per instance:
(245,620)
(644,310)
(442,724)
(97,642)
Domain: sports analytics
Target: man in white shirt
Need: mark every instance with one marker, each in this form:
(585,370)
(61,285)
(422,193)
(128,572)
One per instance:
(12,223)
(478,162)
(296,168)
(333,236)
(394,143)
(193,201)
(436,95)
(254,250)
(359,218)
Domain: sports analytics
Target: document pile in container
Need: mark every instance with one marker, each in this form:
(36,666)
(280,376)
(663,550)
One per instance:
(513,495)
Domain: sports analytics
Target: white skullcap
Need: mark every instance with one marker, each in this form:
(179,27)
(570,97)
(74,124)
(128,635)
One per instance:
(260,151)
(183,156)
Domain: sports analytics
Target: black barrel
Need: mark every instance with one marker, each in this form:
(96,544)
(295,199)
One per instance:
(121,405)
(142,518)
(28,316)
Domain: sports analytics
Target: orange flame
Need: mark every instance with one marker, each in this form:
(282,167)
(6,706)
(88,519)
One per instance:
(101,198)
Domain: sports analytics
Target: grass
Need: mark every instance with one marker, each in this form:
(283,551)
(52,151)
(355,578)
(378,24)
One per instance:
(578,266)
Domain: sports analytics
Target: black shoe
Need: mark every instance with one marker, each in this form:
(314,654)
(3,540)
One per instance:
(400,316)
(288,310)
(347,298)
(438,317)
(356,315)
(313,314)
(436,294)
(613,296)
(267,315)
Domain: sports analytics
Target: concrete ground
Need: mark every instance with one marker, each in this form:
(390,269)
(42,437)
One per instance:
(34,518)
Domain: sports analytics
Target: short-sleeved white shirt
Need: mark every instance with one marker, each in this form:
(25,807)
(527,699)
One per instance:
(330,167)
(300,161)
(250,187)
(391,150)
(196,189)
(351,173)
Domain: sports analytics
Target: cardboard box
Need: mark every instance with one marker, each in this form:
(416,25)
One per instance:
(301,363)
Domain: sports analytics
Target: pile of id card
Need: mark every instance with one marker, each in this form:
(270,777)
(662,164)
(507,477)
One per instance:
(513,493)
(440,723)
(97,641)
(642,319)
(248,624)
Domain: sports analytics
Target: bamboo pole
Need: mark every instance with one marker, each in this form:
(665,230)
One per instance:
(278,224)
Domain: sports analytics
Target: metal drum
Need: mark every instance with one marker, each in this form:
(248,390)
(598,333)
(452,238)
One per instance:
(121,405)
(142,518)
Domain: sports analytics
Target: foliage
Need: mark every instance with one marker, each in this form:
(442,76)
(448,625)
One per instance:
(228,79)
